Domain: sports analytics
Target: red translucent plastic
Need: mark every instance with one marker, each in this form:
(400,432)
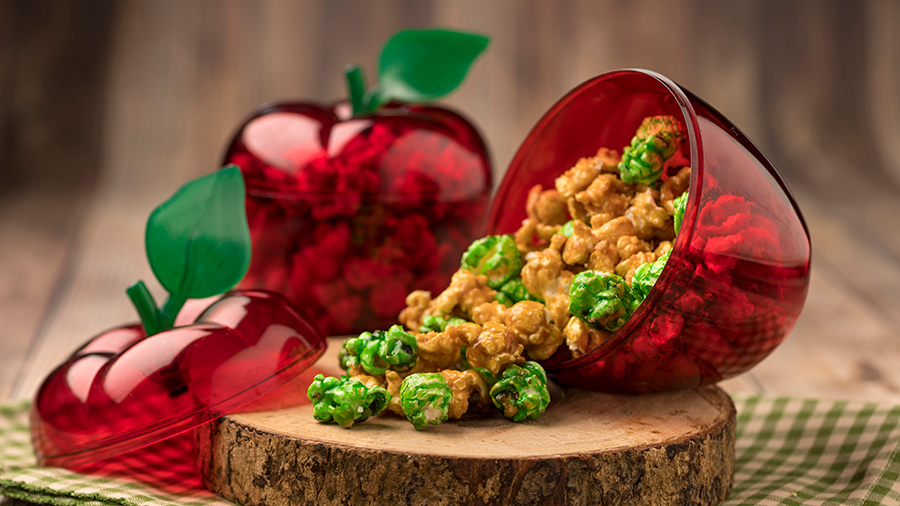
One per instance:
(348,215)
(738,275)
(122,391)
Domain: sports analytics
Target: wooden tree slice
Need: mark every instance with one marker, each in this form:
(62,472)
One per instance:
(587,448)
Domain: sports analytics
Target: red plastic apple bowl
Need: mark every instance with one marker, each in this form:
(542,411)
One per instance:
(349,214)
(122,391)
(738,275)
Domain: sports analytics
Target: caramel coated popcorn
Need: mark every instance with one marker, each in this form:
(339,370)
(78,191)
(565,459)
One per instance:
(470,392)
(646,216)
(467,290)
(489,312)
(495,349)
(581,337)
(417,302)
(546,207)
(562,284)
(437,351)
(530,322)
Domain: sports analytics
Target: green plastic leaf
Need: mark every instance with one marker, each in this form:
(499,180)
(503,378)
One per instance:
(198,241)
(424,65)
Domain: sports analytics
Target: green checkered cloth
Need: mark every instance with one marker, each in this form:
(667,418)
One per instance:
(158,475)
(788,452)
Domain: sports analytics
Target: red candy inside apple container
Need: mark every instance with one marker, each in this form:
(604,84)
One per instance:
(738,273)
(352,206)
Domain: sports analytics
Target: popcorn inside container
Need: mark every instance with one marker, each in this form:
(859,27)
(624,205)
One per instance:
(736,275)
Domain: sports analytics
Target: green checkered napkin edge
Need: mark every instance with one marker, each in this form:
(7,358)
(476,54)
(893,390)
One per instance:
(21,478)
(788,452)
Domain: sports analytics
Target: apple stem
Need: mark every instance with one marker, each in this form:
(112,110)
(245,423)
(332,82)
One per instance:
(170,311)
(146,308)
(356,87)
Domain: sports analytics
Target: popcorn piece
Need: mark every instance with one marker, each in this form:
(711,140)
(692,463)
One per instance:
(664,248)
(578,177)
(437,351)
(628,245)
(495,349)
(513,291)
(495,256)
(674,187)
(543,269)
(645,215)
(375,352)
(626,267)
(613,229)
(470,392)
(533,236)
(417,303)
(609,160)
(557,303)
(604,257)
(522,393)
(465,333)
(345,400)
(579,246)
(600,299)
(546,207)
(530,322)
(489,312)
(425,399)
(392,381)
(577,210)
(581,337)
(466,291)
(656,141)
(606,194)
(680,206)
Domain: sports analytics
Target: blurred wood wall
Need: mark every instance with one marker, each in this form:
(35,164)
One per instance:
(107,107)
(154,88)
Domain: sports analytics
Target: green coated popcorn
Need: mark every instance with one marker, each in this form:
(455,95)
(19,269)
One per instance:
(425,399)
(504,299)
(680,204)
(513,291)
(378,351)
(600,298)
(522,392)
(345,359)
(345,400)
(488,376)
(656,141)
(644,278)
(495,256)
(433,323)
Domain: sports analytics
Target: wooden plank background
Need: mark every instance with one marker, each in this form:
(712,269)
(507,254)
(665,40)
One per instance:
(107,107)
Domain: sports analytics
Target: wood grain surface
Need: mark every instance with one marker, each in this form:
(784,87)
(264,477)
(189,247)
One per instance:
(587,448)
(107,108)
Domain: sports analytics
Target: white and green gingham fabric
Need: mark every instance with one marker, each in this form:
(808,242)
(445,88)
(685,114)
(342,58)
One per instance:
(139,478)
(788,452)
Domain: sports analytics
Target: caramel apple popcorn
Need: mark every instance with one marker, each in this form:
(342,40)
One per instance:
(586,256)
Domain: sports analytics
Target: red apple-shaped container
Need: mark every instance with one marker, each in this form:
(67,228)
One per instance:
(349,214)
(738,275)
(124,390)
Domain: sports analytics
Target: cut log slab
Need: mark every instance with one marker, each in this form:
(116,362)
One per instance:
(587,448)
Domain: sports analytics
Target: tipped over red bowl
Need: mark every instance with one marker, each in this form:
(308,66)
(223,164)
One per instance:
(738,274)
